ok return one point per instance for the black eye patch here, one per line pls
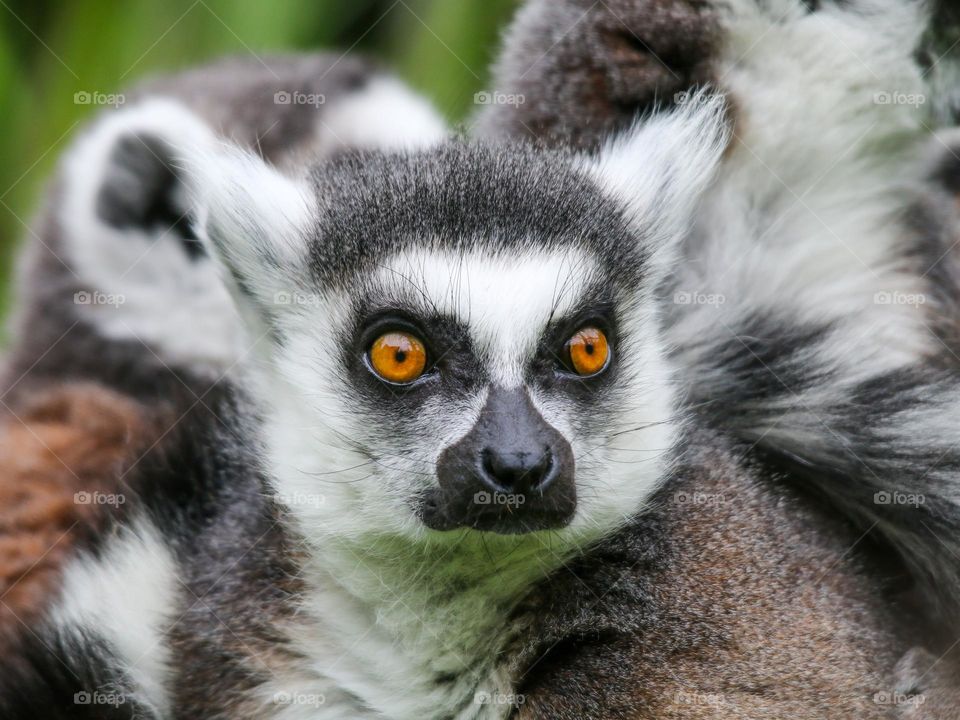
(452, 362)
(552, 357)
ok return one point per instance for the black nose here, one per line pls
(513, 472)
(516, 471)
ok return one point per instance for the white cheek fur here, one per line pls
(346, 478)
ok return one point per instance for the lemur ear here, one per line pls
(660, 169)
(251, 218)
(121, 187)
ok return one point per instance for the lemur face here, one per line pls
(461, 338)
(492, 376)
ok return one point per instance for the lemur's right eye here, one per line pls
(398, 357)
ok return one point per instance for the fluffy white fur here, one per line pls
(659, 170)
(804, 219)
(384, 115)
(237, 195)
(144, 287)
(126, 596)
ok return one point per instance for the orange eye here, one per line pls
(589, 351)
(398, 357)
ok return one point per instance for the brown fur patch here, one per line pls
(65, 441)
(588, 69)
(744, 601)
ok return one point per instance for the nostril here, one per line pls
(545, 471)
(489, 468)
(518, 471)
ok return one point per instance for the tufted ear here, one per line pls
(254, 221)
(121, 184)
(659, 170)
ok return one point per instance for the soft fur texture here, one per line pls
(273, 548)
(115, 287)
(62, 456)
(817, 303)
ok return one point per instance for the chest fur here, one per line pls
(372, 641)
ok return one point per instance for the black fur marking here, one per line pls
(462, 198)
(763, 360)
(947, 173)
(65, 677)
(83, 355)
(140, 191)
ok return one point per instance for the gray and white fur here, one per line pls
(312, 554)
(115, 286)
(815, 314)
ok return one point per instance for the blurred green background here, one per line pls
(51, 50)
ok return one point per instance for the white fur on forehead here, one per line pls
(506, 299)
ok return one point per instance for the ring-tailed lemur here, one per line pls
(475, 344)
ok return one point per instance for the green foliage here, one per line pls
(51, 50)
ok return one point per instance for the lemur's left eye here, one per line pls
(398, 357)
(588, 351)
